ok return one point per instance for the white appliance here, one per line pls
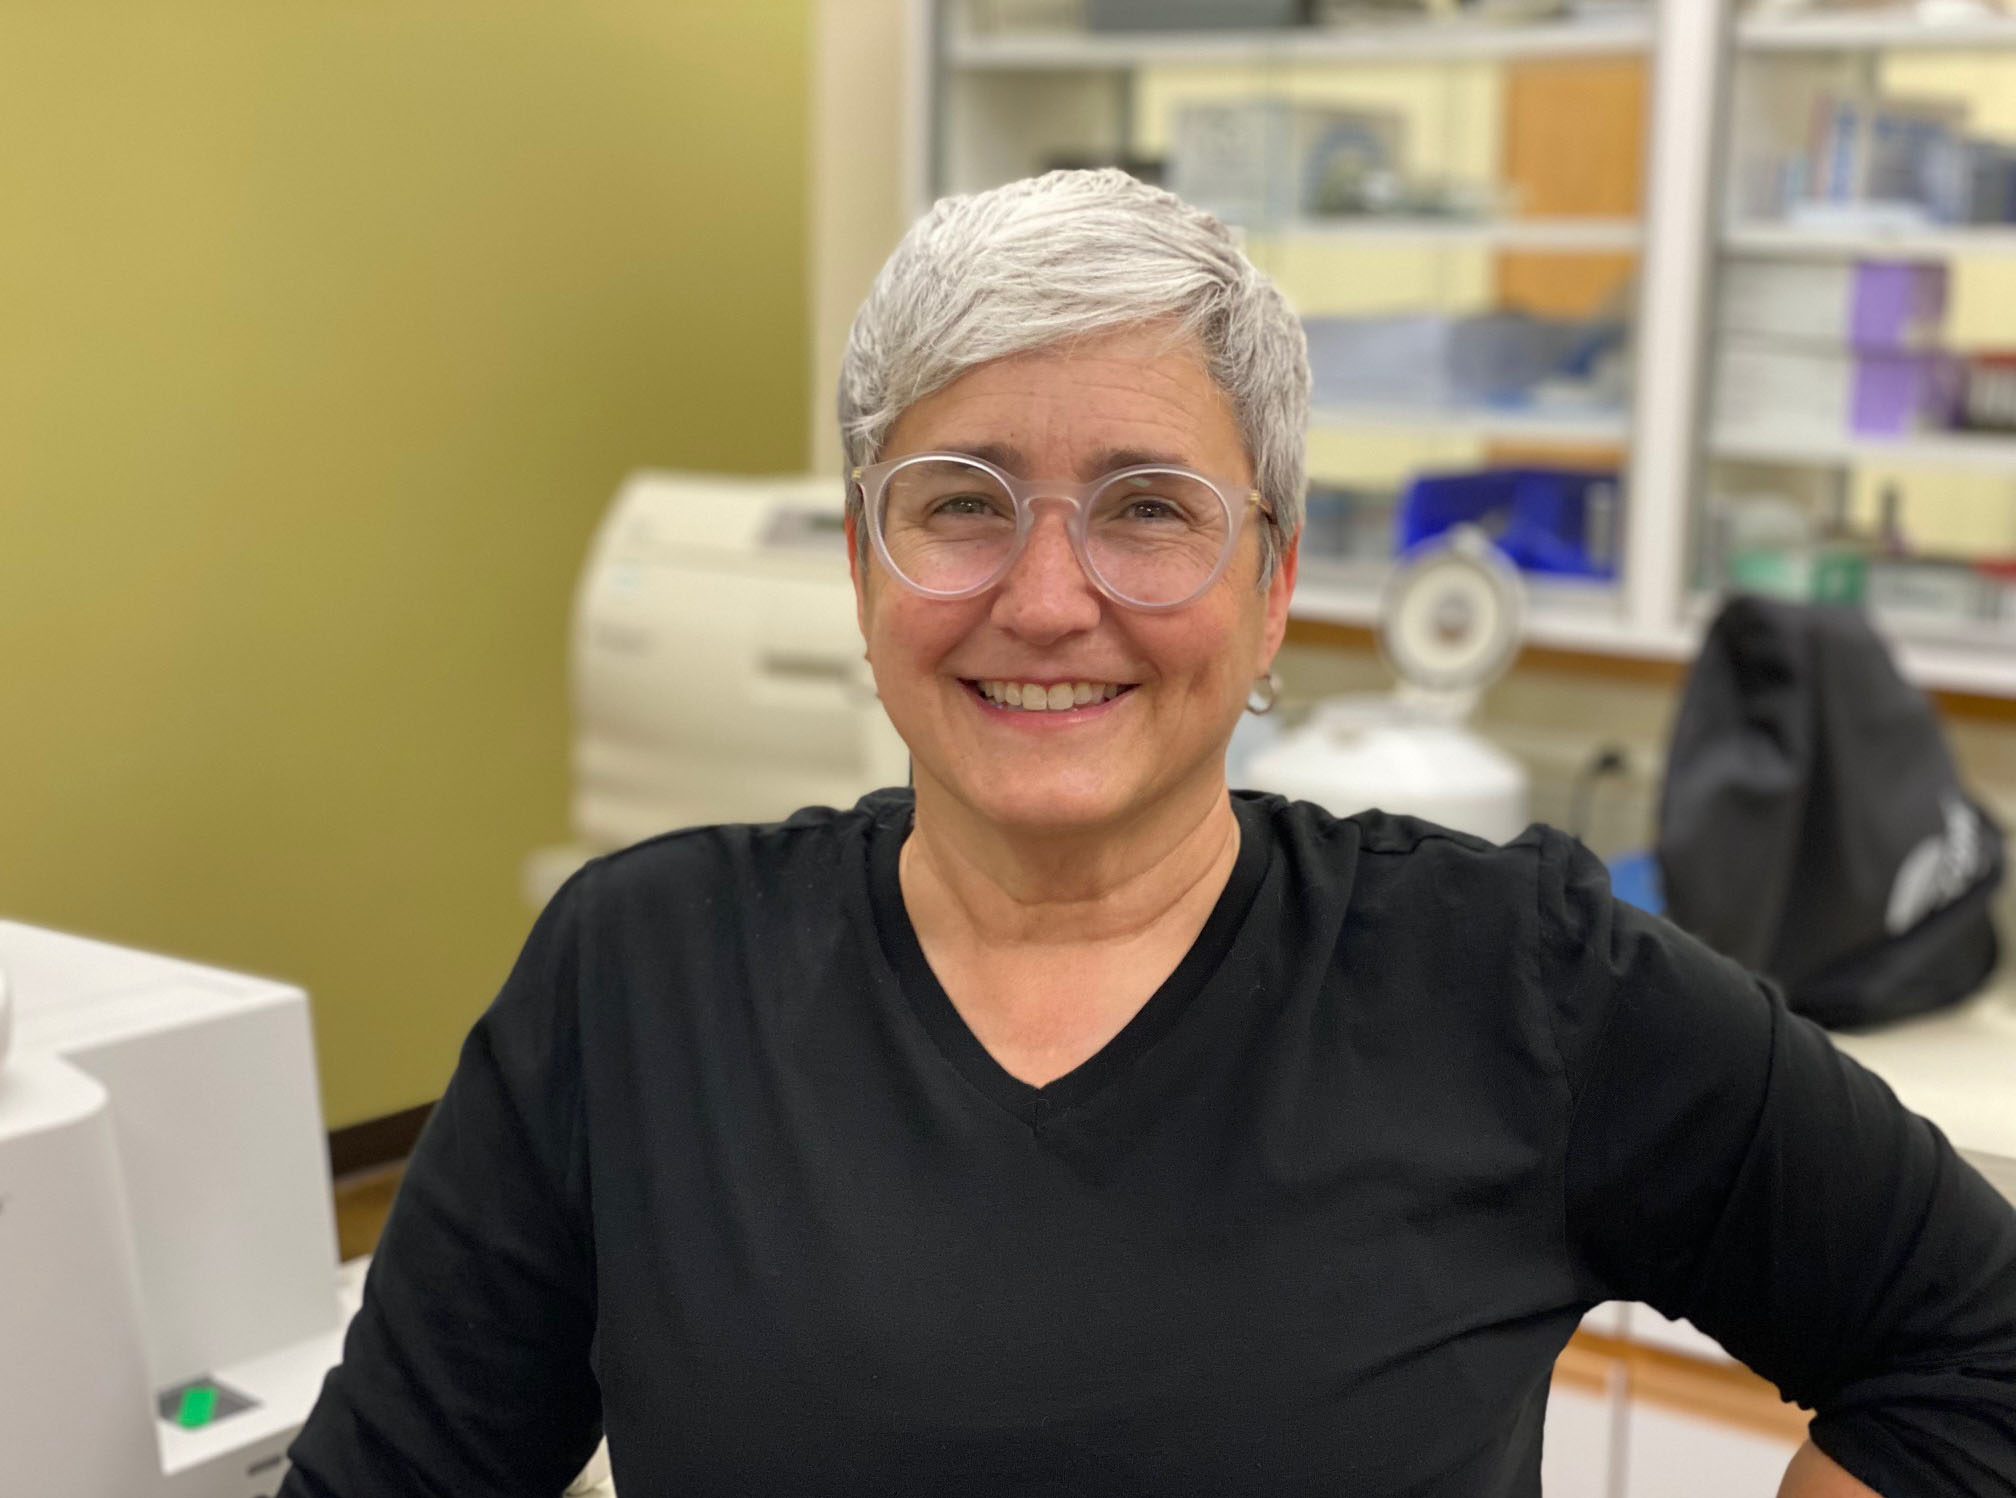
(169, 1293)
(717, 669)
(1450, 621)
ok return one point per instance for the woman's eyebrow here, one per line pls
(1114, 458)
(1107, 460)
(1002, 456)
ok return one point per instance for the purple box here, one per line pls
(1897, 394)
(1894, 303)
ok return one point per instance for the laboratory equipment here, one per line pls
(1449, 626)
(169, 1294)
(718, 669)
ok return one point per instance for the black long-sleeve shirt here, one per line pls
(723, 1170)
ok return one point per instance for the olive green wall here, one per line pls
(326, 332)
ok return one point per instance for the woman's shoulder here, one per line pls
(1391, 841)
(1403, 874)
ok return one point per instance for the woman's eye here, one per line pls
(965, 504)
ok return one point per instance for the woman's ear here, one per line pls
(1280, 590)
(857, 572)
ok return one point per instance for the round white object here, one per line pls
(1349, 761)
(6, 1016)
(1451, 614)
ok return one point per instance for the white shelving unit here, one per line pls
(1876, 32)
(1454, 41)
(1001, 104)
(1536, 424)
(1982, 453)
(1561, 614)
(1814, 56)
(1799, 242)
(1564, 236)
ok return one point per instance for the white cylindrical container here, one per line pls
(76, 1416)
(1358, 754)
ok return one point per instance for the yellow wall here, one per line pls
(326, 331)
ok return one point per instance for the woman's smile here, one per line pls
(1046, 703)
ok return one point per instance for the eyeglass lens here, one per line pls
(1152, 537)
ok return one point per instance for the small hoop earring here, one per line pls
(1266, 692)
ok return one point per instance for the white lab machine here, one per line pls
(169, 1294)
(1450, 621)
(717, 669)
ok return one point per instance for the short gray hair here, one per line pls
(1039, 262)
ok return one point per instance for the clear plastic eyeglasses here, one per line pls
(949, 526)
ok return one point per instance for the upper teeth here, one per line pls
(1035, 697)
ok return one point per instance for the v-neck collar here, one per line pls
(941, 1019)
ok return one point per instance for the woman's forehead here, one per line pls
(1091, 406)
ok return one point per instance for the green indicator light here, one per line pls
(199, 1407)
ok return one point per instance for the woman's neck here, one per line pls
(971, 879)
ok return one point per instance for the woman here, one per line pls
(1070, 1125)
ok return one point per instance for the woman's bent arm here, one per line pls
(1727, 1164)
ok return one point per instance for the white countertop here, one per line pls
(1957, 1067)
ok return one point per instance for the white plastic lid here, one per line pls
(1451, 614)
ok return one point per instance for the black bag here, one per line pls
(1812, 825)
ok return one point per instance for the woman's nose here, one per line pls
(1046, 594)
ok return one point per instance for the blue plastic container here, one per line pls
(1551, 520)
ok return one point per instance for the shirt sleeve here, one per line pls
(1726, 1164)
(467, 1370)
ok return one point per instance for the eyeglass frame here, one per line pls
(1238, 500)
